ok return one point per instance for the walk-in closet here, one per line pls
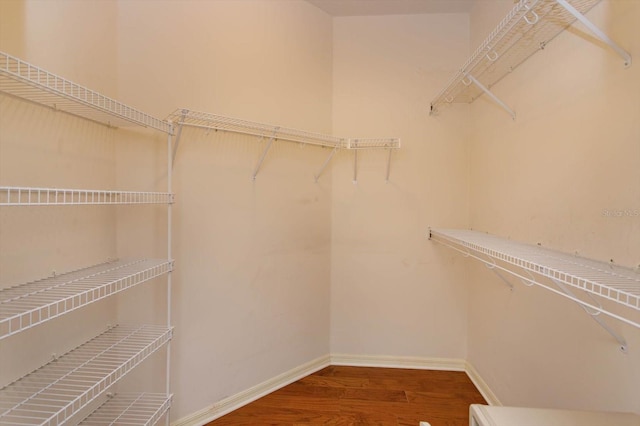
(338, 212)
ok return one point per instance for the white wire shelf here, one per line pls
(217, 122)
(52, 394)
(27, 305)
(26, 196)
(614, 283)
(130, 409)
(381, 143)
(528, 28)
(27, 81)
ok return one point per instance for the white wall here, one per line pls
(548, 178)
(391, 293)
(251, 285)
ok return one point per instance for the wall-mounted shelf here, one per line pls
(130, 409)
(25, 196)
(270, 132)
(528, 28)
(204, 120)
(27, 305)
(533, 264)
(27, 81)
(51, 394)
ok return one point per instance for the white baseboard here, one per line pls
(238, 400)
(243, 398)
(419, 363)
(482, 386)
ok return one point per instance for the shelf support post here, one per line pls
(263, 156)
(355, 166)
(492, 96)
(178, 134)
(389, 165)
(326, 162)
(597, 32)
(593, 314)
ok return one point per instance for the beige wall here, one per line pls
(391, 293)
(547, 178)
(251, 285)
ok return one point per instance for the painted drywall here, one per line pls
(41, 147)
(251, 284)
(551, 177)
(391, 293)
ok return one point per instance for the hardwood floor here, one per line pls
(364, 396)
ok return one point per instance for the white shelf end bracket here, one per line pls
(326, 163)
(178, 134)
(597, 32)
(264, 155)
(593, 313)
(488, 92)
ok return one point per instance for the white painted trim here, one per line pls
(245, 397)
(420, 363)
(482, 386)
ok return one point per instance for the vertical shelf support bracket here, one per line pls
(326, 163)
(496, 99)
(389, 165)
(263, 156)
(593, 314)
(355, 166)
(178, 134)
(597, 32)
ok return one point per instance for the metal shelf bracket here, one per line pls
(355, 166)
(263, 156)
(178, 134)
(594, 314)
(597, 32)
(489, 93)
(326, 163)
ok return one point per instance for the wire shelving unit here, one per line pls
(27, 305)
(528, 28)
(26, 196)
(27, 81)
(270, 132)
(533, 264)
(130, 409)
(56, 391)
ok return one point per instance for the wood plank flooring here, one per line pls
(364, 396)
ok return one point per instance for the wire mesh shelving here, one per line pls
(218, 122)
(271, 133)
(613, 283)
(206, 120)
(52, 394)
(130, 409)
(27, 305)
(526, 29)
(27, 196)
(27, 81)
